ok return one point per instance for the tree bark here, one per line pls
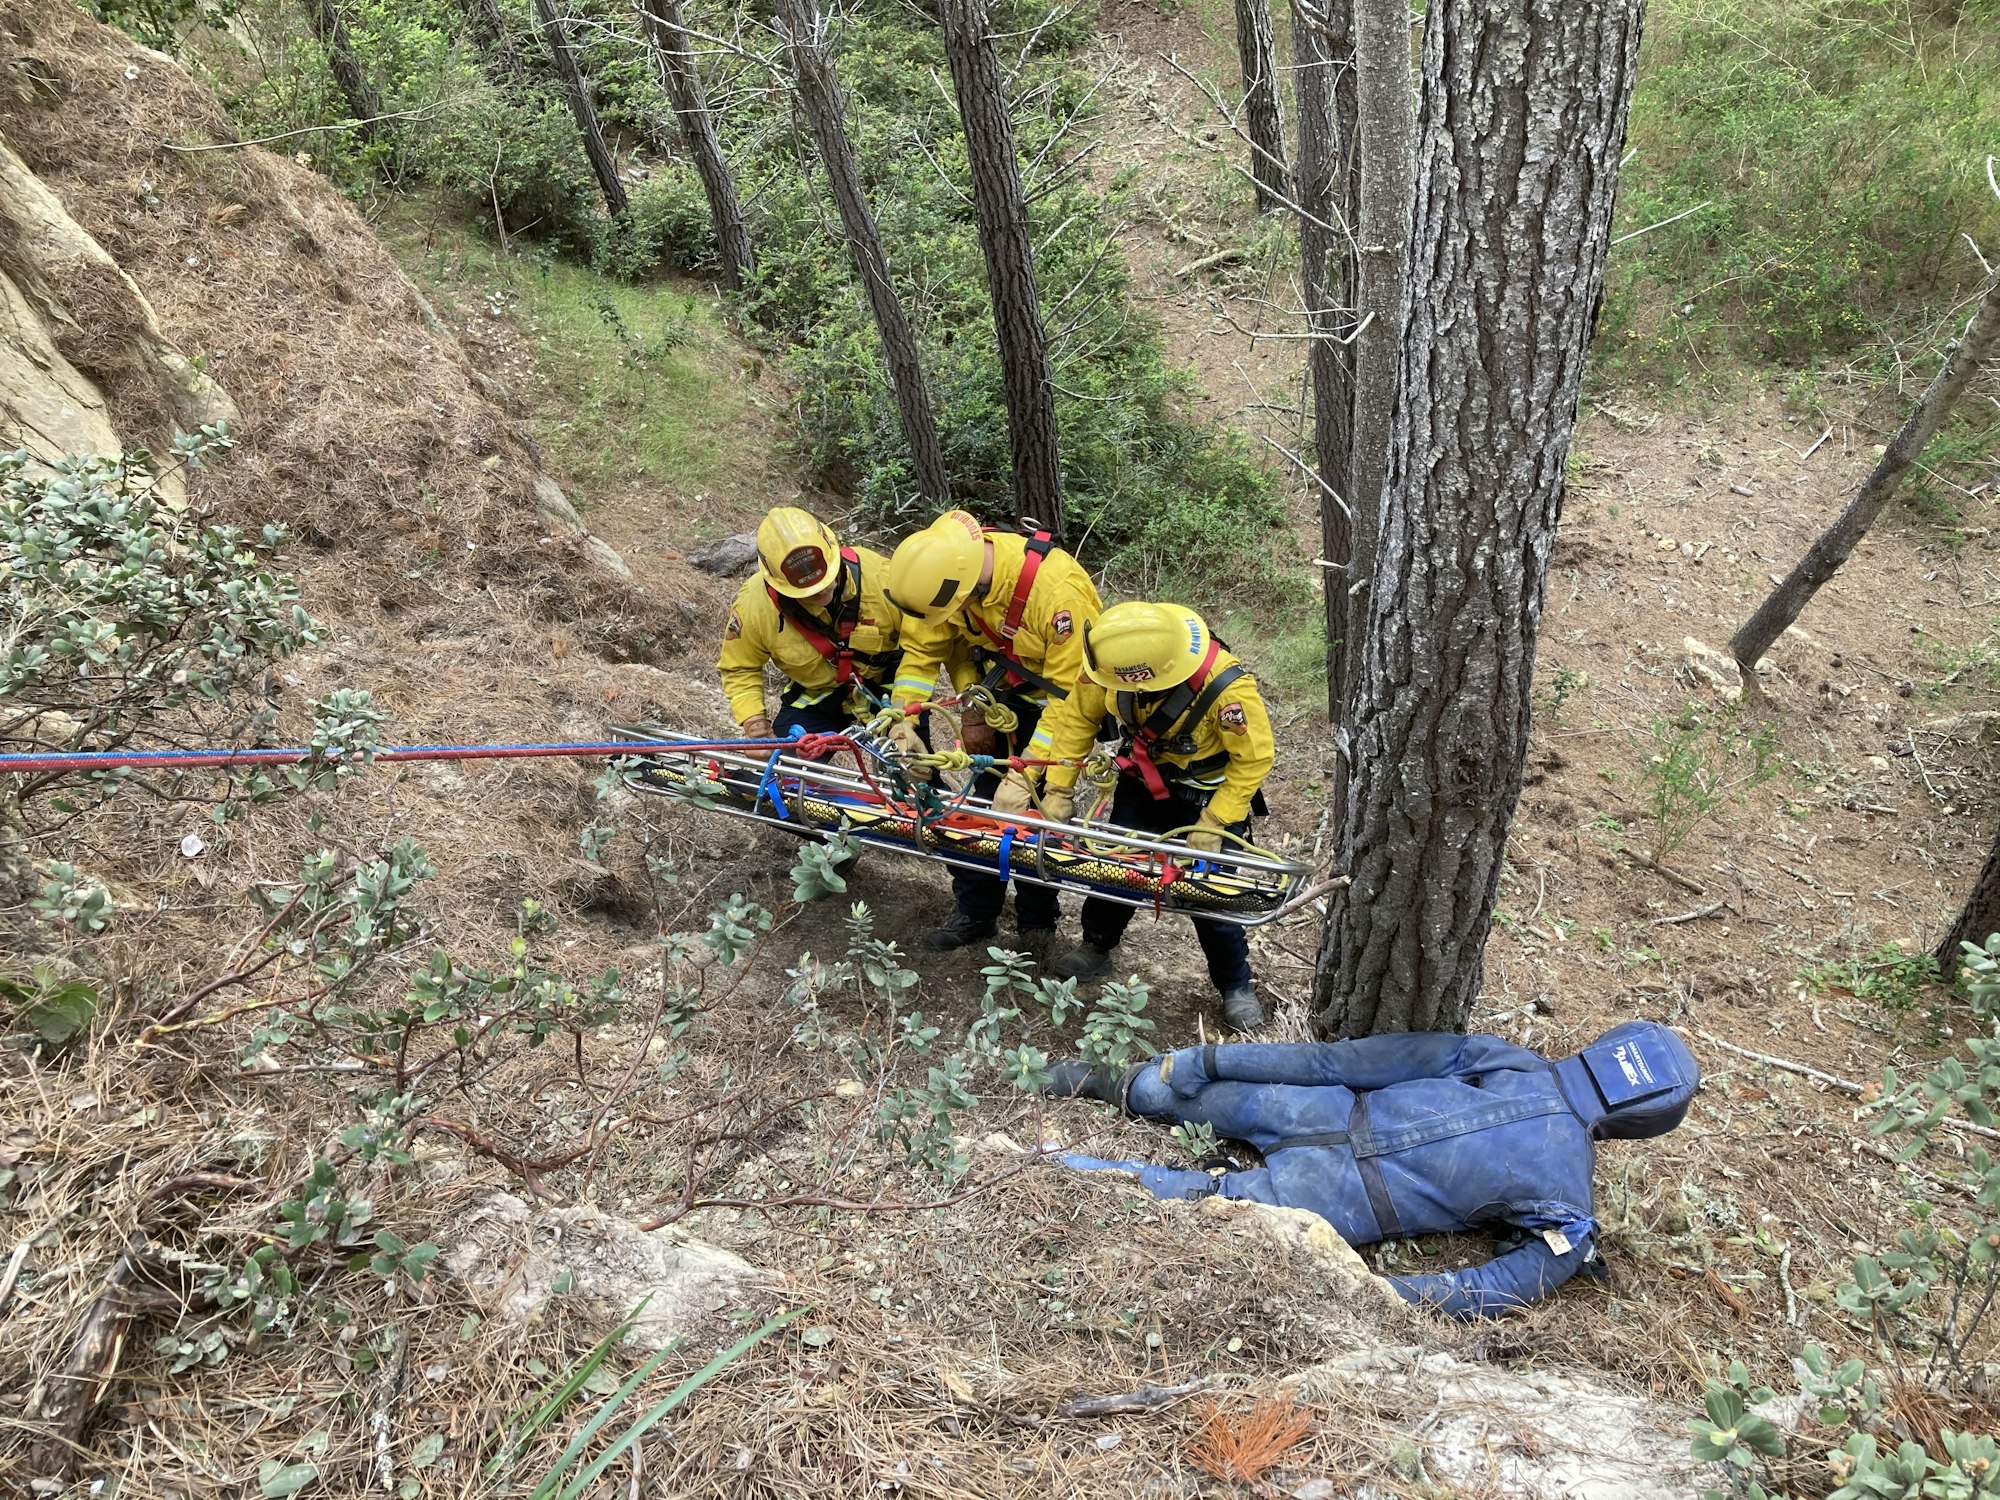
(667, 26)
(1521, 127)
(1381, 158)
(363, 103)
(496, 43)
(825, 111)
(1263, 121)
(1837, 543)
(1323, 61)
(1977, 920)
(1010, 261)
(574, 86)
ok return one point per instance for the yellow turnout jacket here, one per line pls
(1227, 751)
(806, 648)
(965, 644)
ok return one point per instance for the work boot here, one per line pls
(961, 930)
(1076, 1079)
(1083, 963)
(1241, 1010)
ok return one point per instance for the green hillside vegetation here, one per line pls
(1147, 490)
(1838, 147)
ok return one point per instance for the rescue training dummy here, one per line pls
(1195, 748)
(1415, 1133)
(1002, 616)
(817, 611)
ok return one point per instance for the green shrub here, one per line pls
(1839, 146)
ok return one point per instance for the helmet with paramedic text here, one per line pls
(1145, 648)
(797, 552)
(935, 570)
(1633, 1082)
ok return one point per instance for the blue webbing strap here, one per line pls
(767, 789)
(1006, 849)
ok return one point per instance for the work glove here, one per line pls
(974, 737)
(903, 735)
(1058, 807)
(1207, 836)
(757, 727)
(1015, 794)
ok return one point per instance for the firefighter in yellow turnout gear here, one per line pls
(1196, 747)
(817, 610)
(1002, 616)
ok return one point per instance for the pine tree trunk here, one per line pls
(363, 103)
(1010, 262)
(496, 44)
(1257, 49)
(1322, 59)
(825, 111)
(1522, 123)
(1837, 543)
(1978, 920)
(574, 86)
(667, 26)
(1385, 140)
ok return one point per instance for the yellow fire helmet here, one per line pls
(798, 553)
(935, 569)
(1145, 648)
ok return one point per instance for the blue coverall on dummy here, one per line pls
(1423, 1133)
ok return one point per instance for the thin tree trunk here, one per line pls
(1385, 140)
(363, 103)
(1522, 123)
(1010, 260)
(667, 26)
(1322, 59)
(1837, 543)
(1257, 49)
(601, 160)
(826, 118)
(1977, 920)
(496, 43)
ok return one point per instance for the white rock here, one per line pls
(513, 1255)
(606, 556)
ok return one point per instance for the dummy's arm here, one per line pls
(1373, 1062)
(1500, 1286)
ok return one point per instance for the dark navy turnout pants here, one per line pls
(1223, 944)
(980, 896)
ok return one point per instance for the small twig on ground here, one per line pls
(13, 1272)
(1846, 1085)
(1145, 1398)
(1690, 916)
(1208, 262)
(1785, 1281)
(1672, 877)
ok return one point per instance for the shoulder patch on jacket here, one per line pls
(1232, 718)
(1062, 625)
(734, 629)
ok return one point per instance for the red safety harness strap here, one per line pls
(1017, 607)
(846, 615)
(1189, 700)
